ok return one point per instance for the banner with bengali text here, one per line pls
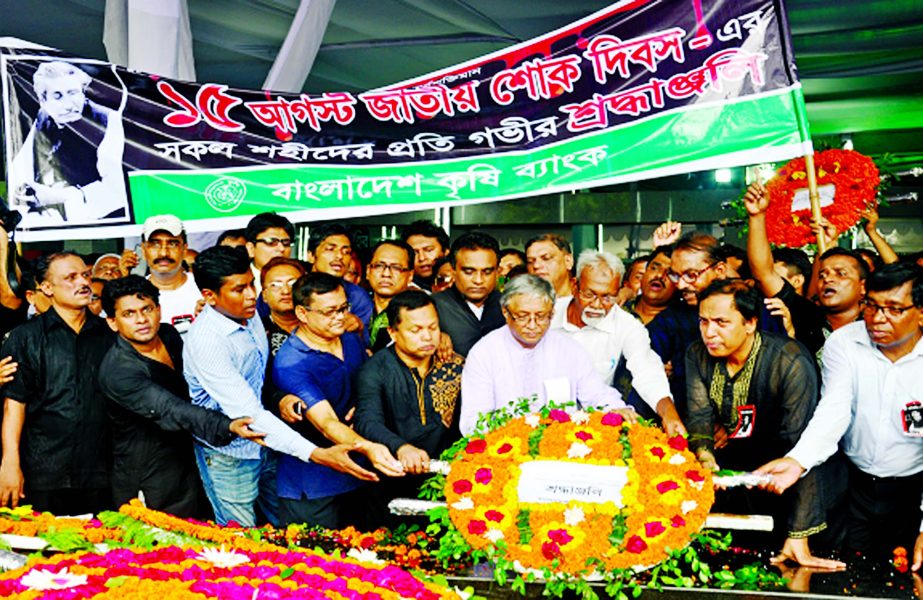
(642, 89)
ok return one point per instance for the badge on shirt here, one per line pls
(182, 322)
(746, 420)
(912, 418)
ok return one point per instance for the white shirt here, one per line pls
(861, 404)
(177, 307)
(477, 310)
(618, 334)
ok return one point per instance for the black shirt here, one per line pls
(65, 438)
(152, 424)
(808, 319)
(459, 322)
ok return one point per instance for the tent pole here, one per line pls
(815, 199)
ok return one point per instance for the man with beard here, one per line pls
(592, 318)
(841, 280)
(55, 432)
(430, 243)
(549, 256)
(871, 394)
(330, 250)
(388, 274)
(164, 245)
(152, 418)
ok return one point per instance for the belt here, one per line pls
(860, 476)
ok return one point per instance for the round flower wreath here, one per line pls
(665, 502)
(855, 178)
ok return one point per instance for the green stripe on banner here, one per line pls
(719, 134)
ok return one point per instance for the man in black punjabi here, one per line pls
(762, 388)
(152, 418)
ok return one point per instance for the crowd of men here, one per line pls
(242, 384)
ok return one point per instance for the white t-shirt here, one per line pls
(177, 307)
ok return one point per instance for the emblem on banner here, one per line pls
(225, 194)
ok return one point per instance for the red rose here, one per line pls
(584, 436)
(636, 545)
(550, 550)
(654, 528)
(367, 542)
(504, 448)
(677, 521)
(483, 476)
(613, 419)
(494, 515)
(462, 486)
(558, 415)
(560, 536)
(658, 452)
(477, 527)
(694, 476)
(678, 442)
(667, 486)
(476, 446)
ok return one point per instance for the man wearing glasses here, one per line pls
(607, 333)
(526, 360)
(164, 246)
(268, 235)
(330, 250)
(872, 394)
(318, 364)
(388, 273)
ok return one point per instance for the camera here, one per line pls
(9, 219)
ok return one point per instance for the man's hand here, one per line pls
(240, 428)
(381, 458)
(870, 214)
(720, 436)
(797, 550)
(128, 261)
(353, 323)
(624, 294)
(628, 414)
(667, 233)
(756, 200)
(785, 472)
(7, 369)
(707, 459)
(11, 484)
(291, 408)
(672, 424)
(778, 308)
(918, 553)
(415, 461)
(826, 230)
(445, 351)
(199, 305)
(337, 458)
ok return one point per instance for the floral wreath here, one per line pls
(664, 501)
(854, 177)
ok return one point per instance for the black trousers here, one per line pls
(332, 512)
(882, 512)
(70, 501)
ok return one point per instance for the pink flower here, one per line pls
(584, 436)
(477, 527)
(483, 476)
(494, 515)
(504, 448)
(694, 476)
(677, 521)
(658, 452)
(653, 529)
(636, 545)
(560, 536)
(462, 486)
(667, 486)
(678, 442)
(558, 415)
(476, 446)
(613, 419)
(550, 550)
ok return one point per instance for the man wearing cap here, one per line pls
(164, 247)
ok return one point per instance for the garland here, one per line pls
(63, 533)
(665, 500)
(174, 572)
(855, 178)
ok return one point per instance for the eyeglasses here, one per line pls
(891, 312)
(591, 297)
(380, 267)
(273, 242)
(329, 313)
(277, 286)
(525, 318)
(690, 276)
(172, 244)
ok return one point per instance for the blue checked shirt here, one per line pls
(224, 364)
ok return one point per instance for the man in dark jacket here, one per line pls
(151, 416)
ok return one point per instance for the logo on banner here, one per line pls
(225, 194)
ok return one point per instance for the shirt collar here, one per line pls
(224, 324)
(53, 319)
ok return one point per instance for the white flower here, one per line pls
(688, 506)
(462, 593)
(223, 558)
(533, 420)
(365, 555)
(578, 450)
(580, 417)
(46, 580)
(493, 535)
(677, 459)
(573, 516)
(464, 504)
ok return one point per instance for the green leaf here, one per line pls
(287, 573)
(114, 582)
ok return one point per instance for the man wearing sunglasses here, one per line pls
(318, 364)
(164, 246)
(871, 402)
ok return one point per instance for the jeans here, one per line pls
(233, 485)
